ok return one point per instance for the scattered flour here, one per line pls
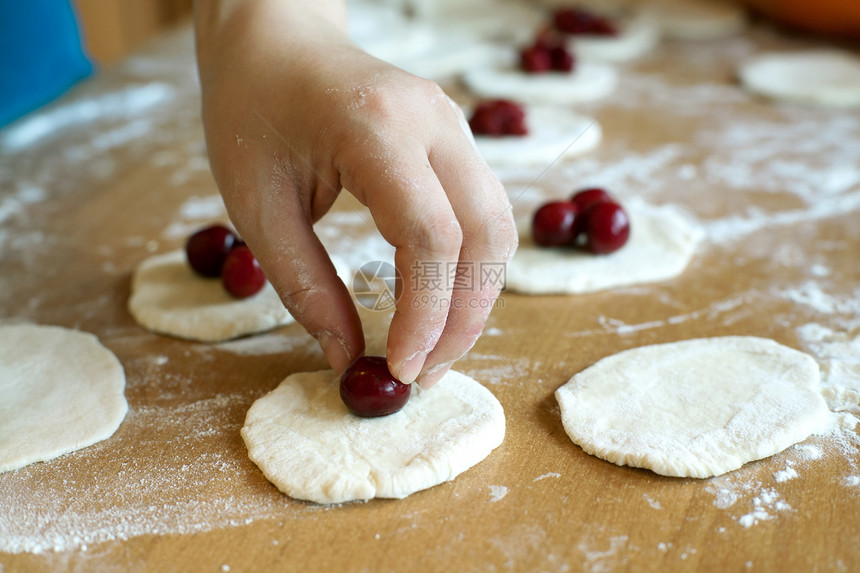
(764, 504)
(653, 503)
(788, 473)
(167, 490)
(264, 344)
(124, 103)
(497, 492)
(838, 352)
(812, 295)
(203, 207)
(547, 475)
(808, 451)
(604, 560)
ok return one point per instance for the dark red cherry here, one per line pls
(585, 198)
(241, 274)
(554, 224)
(578, 21)
(607, 228)
(207, 248)
(536, 59)
(369, 390)
(562, 60)
(498, 117)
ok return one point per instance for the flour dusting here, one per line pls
(497, 492)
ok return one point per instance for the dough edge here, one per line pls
(444, 465)
(706, 466)
(187, 325)
(114, 401)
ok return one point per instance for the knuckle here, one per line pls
(439, 233)
(382, 104)
(498, 236)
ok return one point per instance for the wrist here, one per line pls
(220, 22)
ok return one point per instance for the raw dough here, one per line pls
(824, 77)
(697, 20)
(308, 444)
(637, 36)
(696, 408)
(554, 132)
(662, 242)
(503, 21)
(590, 81)
(167, 297)
(451, 54)
(60, 391)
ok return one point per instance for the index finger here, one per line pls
(413, 213)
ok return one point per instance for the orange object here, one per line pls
(834, 17)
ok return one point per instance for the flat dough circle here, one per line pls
(450, 55)
(826, 77)
(60, 391)
(662, 242)
(588, 82)
(167, 297)
(310, 446)
(696, 408)
(637, 36)
(698, 20)
(553, 133)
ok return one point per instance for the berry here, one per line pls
(498, 117)
(207, 248)
(241, 274)
(578, 21)
(369, 390)
(554, 224)
(548, 52)
(536, 59)
(607, 227)
(587, 197)
(562, 60)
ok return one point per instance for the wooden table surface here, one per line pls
(116, 171)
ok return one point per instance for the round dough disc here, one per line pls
(450, 55)
(60, 391)
(588, 82)
(168, 297)
(553, 133)
(311, 447)
(637, 36)
(826, 77)
(662, 242)
(696, 408)
(698, 20)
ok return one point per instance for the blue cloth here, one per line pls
(41, 55)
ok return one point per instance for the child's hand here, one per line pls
(293, 111)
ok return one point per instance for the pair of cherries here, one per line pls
(591, 214)
(216, 251)
(549, 52)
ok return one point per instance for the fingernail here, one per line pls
(433, 375)
(411, 368)
(335, 350)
